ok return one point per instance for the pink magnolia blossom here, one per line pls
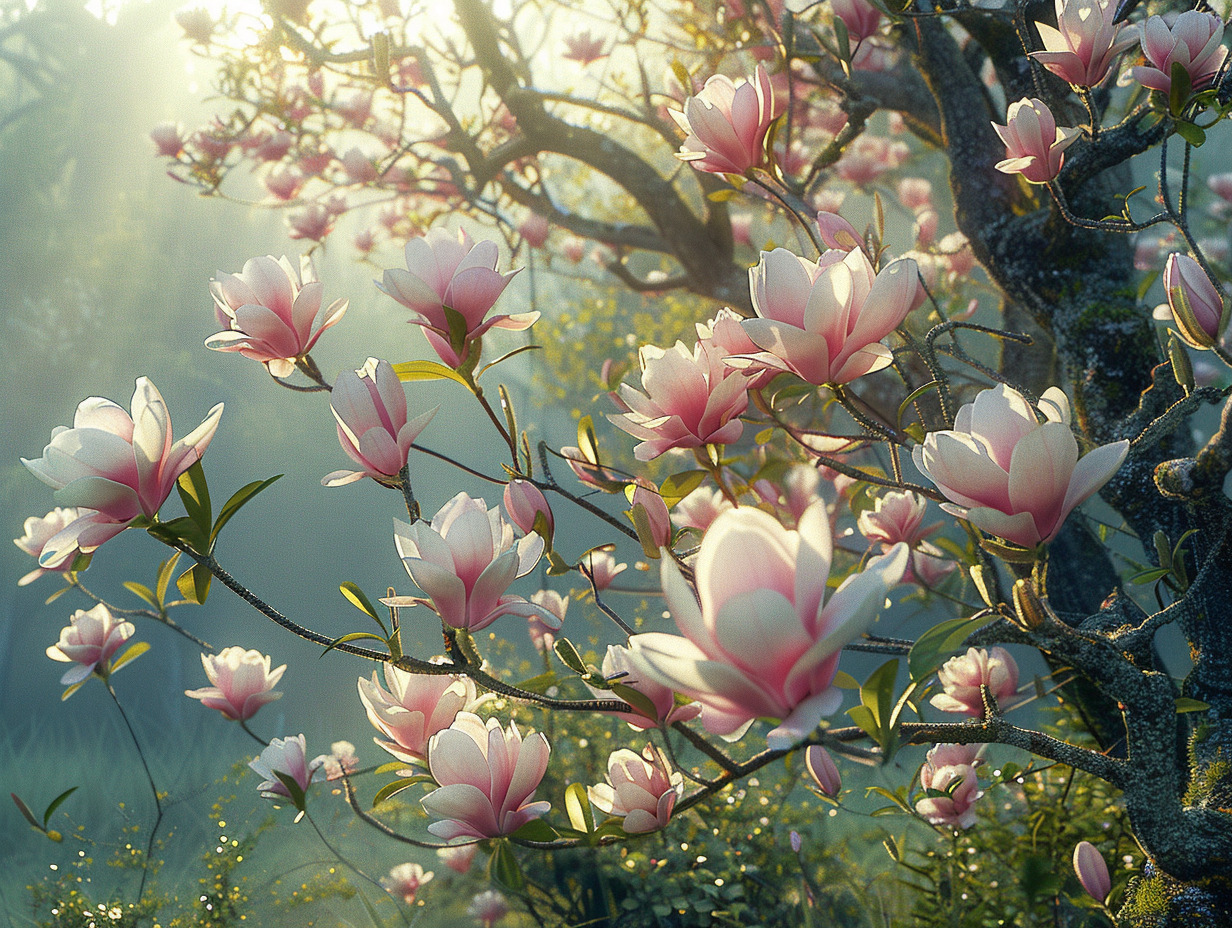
(823, 770)
(488, 907)
(487, 776)
(1193, 40)
(534, 230)
(583, 47)
(961, 678)
(861, 18)
(115, 467)
(896, 516)
(359, 168)
(525, 502)
(726, 333)
(269, 314)
(285, 185)
(168, 139)
(274, 146)
(603, 569)
(39, 531)
(313, 222)
(459, 857)
(701, 507)
(742, 228)
(339, 762)
(288, 756)
(764, 641)
(88, 642)
(691, 399)
(1008, 474)
(619, 668)
(543, 635)
(444, 270)
(727, 124)
(241, 682)
(946, 765)
(915, 193)
(1034, 144)
(465, 560)
(1086, 41)
(369, 405)
(1092, 871)
(405, 880)
(823, 321)
(837, 232)
(641, 788)
(1197, 308)
(414, 708)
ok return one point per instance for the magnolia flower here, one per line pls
(488, 907)
(1092, 871)
(89, 641)
(369, 405)
(602, 568)
(444, 270)
(896, 516)
(657, 520)
(583, 47)
(950, 804)
(269, 314)
(1194, 41)
(241, 682)
(459, 857)
(115, 467)
(414, 708)
(405, 880)
(1034, 144)
(764, 641)
(1008, 474)
(701, 507)
(727, 124)
(1085, 42)
(1196, 306)
(861, 18)
(823, 320)
(962, 677)
(823, 770)
(464, 560)
(287, 756)
(39, 531)
(691, 399)
(543, 635)
(168, 139)
(487, 777)
(618, 667)
(534, 230)
(339, 762)
(524, 502)
(641, 789)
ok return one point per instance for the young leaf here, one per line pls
(503, 869)
(239, 498)
(353, 636)
(936, 644)
(569, 656)
(577, 804)
(141, 591)
(165, 571)
(678, 486)
(410, 371)
(194, 584)
(54, 804)
(25, 810)
(536, 830)
(389, 790)
(130, 655)
(355, 596)
(196, 496)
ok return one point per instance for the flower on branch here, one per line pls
(764, 642)
(962, 677)
(289, 757)
(1194, 40)
(1010, 475)
(115, 467)
(37, 532)
(641, 788)
(241, 682)
(269, 312)
(949, 776)
(414, 708)
(727, 124)
(487, 776)
(1034, 144)
(89, 641)
(1086, 41)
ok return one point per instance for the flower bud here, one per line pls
(822, 769)
(1196, 305)
(524, 502)
(1092, 871)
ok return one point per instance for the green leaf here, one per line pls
(936, 644)
(183, 530)
(1192, 134)
(577, 805)
(54, 804)
(877, 694)
(196, 496)
(569, 656)
(645, 532)
(588, 442)
(683, 76)
(141, 591)
(194, 584)
(540, 683)
(842, 44)
(721, 196)
(241, 497)
(390, 790)
(458, 328)
(412, 371)
(298, 797)
(678, 486)
(535, 830)
(640, 702)
(1148, 281)
(764, 435)
(353, 636)
(503, 868)
(133, 652)
(1180, 92)
(505, 357)
(165, 571)
(25, 810)
(355, 596)
(1186, 704)
(915, 395)
(866, 721)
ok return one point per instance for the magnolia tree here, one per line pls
(833, 391)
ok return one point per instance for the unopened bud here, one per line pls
(1092, 871)
(822, 769)
(1027, 606)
